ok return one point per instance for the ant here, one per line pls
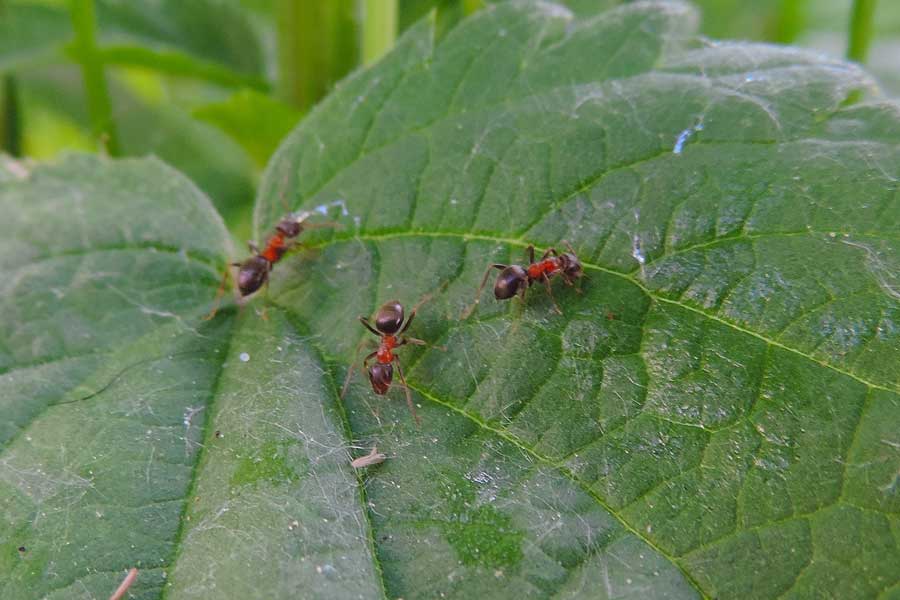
(514, 279)
(389, 327)
(253, 273)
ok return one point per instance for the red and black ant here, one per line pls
(514, 279)
(253, 273)
(389, 327)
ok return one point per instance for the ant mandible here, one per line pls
(253, 273)
(514, 279)
(389, 327)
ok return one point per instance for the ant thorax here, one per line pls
(385, 349)
(547, 266)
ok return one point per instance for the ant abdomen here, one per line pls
(381, 375)
(252, 274)
(389, 317)
(509, 282)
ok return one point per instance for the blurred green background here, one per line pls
(212, 86)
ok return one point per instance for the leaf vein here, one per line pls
(628, 277)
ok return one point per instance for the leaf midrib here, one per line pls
(520, 243)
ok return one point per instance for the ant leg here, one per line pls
(550, 252)
(530, 252)
(367, 325)
(220, 292)
(570, 282)
(412, 313)
(264, 314)
(409, 402)
(293, 246)
(408, 322)
(322, 225)
(353, 366)
(569, 247)
(468, 311)
(218, 299)
(373, 409)
(521, 293)
(550, 293)
(369, 357)
(418, 342)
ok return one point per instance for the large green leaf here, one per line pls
(716, 415)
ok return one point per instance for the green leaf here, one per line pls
(256, 121)
(30, 33)
(204, 39)
(178, 64)
(218, 165)
(715, 415)
(211, 30)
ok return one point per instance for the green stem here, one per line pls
(861, 22)
(85, 51)
(317, 45)
(791, 21)
(11, 125)
(379, 28)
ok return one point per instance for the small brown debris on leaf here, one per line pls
(123, 587)
(372, 458)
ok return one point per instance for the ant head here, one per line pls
(253, 273)
(509, 282)
(289, 227)
(571, 266)
(389, 317)
(381, 375)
